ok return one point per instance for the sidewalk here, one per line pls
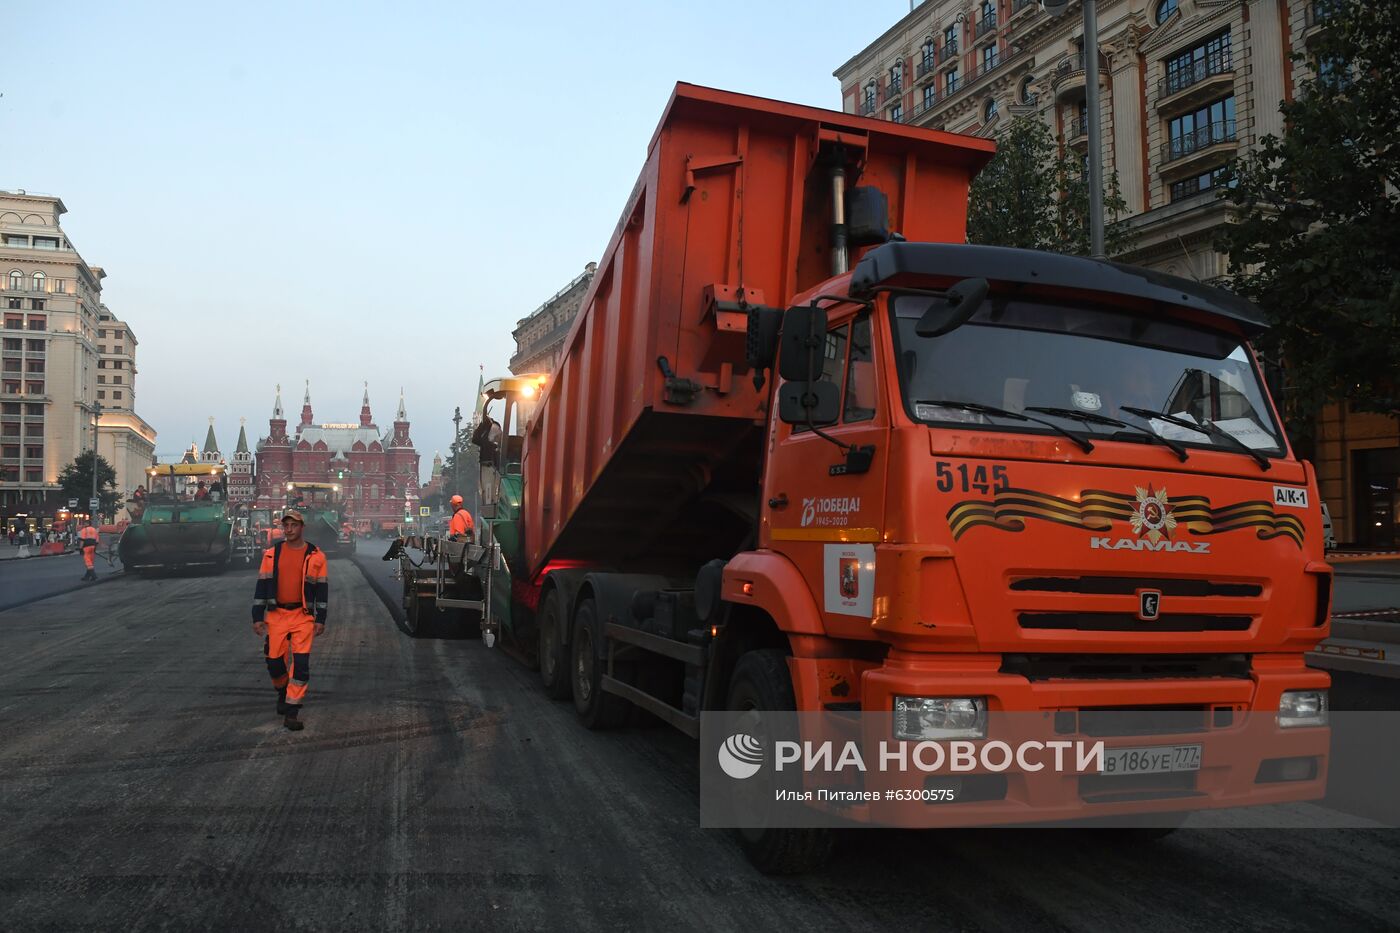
(8, 552)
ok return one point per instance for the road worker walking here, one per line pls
(289, 610)
(87, 539)
(462, 525)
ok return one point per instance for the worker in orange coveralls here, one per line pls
(289, 609)
(461, 525)
(88, 538)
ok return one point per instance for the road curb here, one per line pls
(392, 599)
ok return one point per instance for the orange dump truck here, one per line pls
(807, 449)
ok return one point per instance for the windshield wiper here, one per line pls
(1092, 418)
(1084, 443)
(1202, 427)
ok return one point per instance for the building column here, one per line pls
(1125, 95)
(1266, 62)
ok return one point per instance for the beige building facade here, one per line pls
(51, 356)
(1185, 86)
(540, 337)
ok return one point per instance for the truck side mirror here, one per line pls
(946, 315)
(809, 402)
(804, 336)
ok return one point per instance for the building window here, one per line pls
(36, 346)
(36, 304)
(989, 58)
(930, 95)
(1211, 57)
(101, 379)
(38, 276)
(17, 280)
(896, 78)
(101, 394)
(116, 380)
(950, 41)
(1203, 182)
(36, 323)
(1027, 95)
(101, 364)
(117, 396)
(950, 81)
(897, 113)
(1191, 132)
(1164, 10)
(46, 242)
(989, 110)
(869, 97)
(12, 302)
(926, 54)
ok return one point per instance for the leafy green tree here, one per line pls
(461, 468)
(1032, 195)
(75, 480)
(1317, 238)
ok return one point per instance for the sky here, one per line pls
(359, 192)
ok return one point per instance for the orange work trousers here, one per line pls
(288, 649)
(89, 551)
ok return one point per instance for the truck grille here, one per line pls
(1103, 722)
(1124, 666)
(1127, 586)
(1129, 622)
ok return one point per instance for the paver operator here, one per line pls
(462, 526)
(289, 610)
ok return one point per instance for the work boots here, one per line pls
(291, 721)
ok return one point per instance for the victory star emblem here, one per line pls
(1153, 515)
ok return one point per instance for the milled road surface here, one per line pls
(24, 580)
(146, 783)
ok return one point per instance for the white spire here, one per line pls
(403, 412)
(277, 405)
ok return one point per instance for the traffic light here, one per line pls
(340, 474)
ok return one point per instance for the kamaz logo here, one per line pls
(1142, 544)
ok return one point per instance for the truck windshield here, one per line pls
(1024, 355)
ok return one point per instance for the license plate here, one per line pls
(1158, 759)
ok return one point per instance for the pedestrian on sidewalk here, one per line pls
(289, 610)
(88, 538)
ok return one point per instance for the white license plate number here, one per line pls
(1159, 759)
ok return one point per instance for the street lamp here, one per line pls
(1095, 130)
(96, 418)
(456, 451)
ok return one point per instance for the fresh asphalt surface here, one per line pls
(146, 783)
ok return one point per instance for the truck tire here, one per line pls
(554, 661)
(596, 709)
(761, 682)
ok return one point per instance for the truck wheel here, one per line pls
(596, 709)
(554, 664)
(761, 682)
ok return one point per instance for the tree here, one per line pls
(464, 455)
(1316, 242)
(1034, 196)
(76, 482)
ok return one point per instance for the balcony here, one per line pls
(25, 285)
(1186, 153)
(1077, 132)
(926, 68)
(1200, 81)
(984, 68)
(922, 107)
(867, 107)
(1317, 13)
(1068, 81)
(1018, 5)
(893, 90)
(986, 26)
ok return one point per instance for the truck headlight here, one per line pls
(940, 717)
(1302, 708)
